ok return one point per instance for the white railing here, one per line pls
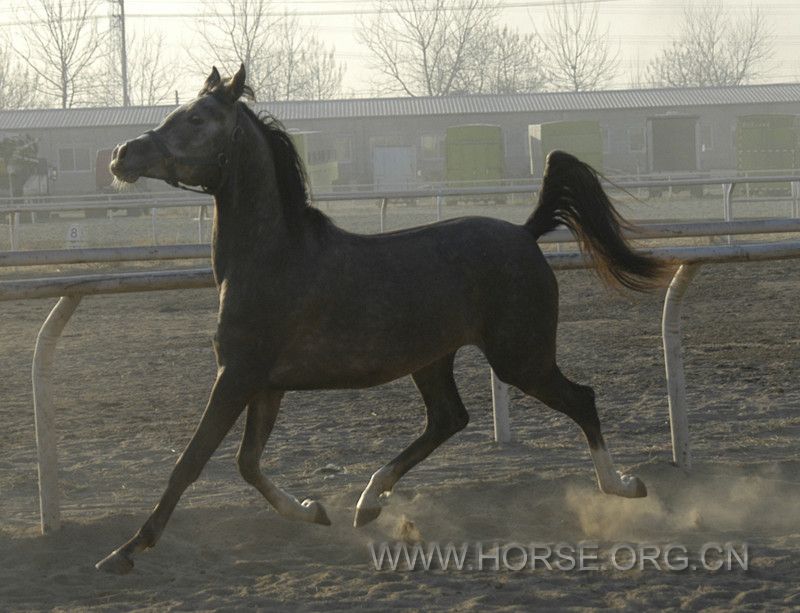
(177, 198)
(151, 201)
(70, 290)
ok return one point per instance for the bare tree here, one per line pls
(18, 86)
(507, 62)
(713, 49)
(62, 45)
(283, 59)
(427, 47)
(238, 32)
(304, 67)
(324, 73)
(580, 56)
(151, 79)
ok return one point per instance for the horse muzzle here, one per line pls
(137, 158)
(118, 166)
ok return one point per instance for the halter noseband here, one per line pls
(220, 161)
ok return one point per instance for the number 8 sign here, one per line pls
(76, 236)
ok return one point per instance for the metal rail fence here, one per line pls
(71, 288)
(145, 201)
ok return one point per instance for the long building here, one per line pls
(379, 142)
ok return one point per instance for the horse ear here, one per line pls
(212, 81)
(236, 86)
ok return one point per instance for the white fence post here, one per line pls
(502, 427)
(727, 205)
(14, 227)
(153, 216)
(438, 208)
(673, 364)
(383, 213)
(44, 414)
(201, 226)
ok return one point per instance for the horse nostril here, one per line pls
(120, 151)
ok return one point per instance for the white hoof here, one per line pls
(627, 486)
(314, 512)
(365, 515)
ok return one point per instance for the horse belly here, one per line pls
(368, 355)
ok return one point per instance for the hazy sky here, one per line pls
(640, 28)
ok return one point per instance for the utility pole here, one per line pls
(118, 23)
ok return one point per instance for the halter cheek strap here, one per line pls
(220, 161)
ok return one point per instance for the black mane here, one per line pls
(290, 172)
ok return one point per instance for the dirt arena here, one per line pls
(132, 377)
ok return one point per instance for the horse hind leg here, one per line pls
(261, 414)
(446, 415)
(578, 402)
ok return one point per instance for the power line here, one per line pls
(672, 8)
(337, 12)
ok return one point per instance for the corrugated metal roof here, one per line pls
(668, 98)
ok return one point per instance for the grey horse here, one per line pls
(306, 305)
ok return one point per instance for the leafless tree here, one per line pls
(151, 79)
(238, 31)
(63, 47)
(284, 60)
(580, 56)
(18, 86)
(507, 62)
(151, 76)
(303, 67)
(427, 47)
(324, 73)
(713, 49)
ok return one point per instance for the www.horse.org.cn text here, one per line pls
(564, 557)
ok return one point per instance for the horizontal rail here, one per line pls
(534, 187)
(203, 251)
(693, 229)
(709, 254)
(173, 199)
(123, 282)
(106, 283)
(93, 255)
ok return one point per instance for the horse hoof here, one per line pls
(364, 515)
(115, 563)
(633, 487)
(320, 515)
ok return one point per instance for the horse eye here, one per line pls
(195, 120)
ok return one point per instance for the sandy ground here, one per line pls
(134, 371)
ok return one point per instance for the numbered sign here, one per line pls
(76, 236)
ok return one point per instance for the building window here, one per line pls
(636, 139)
(74, 159)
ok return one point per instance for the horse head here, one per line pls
(193, 144)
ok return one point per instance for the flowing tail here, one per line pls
(571, 194)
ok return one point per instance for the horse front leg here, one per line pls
(228, 399)
(262, 411)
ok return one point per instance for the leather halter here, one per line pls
(221, 160)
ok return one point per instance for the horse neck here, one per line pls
(249, 220)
